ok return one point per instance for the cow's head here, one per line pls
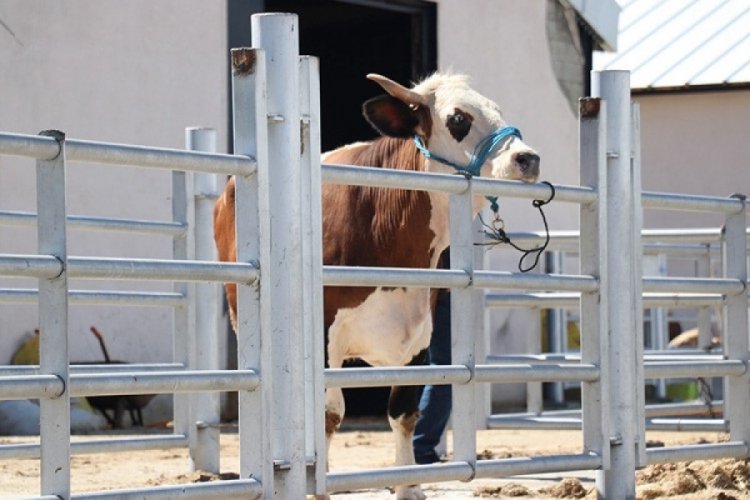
(450, 118)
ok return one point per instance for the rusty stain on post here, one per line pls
(589, 107)
(243, 61)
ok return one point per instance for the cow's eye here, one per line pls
(459, 124)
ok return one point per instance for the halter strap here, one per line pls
(482, 151)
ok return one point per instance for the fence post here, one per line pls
(277, 35)
(735, 331)
(465, 327)
(254, 335)
(183, 316)
(593, 261)
(205, 406)
(637, 280)
(482, 392)
(54, 423)
(312, 246)
(619, 481)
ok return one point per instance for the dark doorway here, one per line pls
(396, 38)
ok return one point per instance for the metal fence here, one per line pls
(281, 379)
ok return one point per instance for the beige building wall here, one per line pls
(694, 143)
(132, 72)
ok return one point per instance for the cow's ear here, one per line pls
(390, 116)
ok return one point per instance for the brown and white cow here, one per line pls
(365, 226)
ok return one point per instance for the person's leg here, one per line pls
(435, 404)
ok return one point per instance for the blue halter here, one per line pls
(482, 151)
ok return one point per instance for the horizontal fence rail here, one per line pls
(47, 148)
(28, 219)
(99, 297)
(43, 266)
(131, 443)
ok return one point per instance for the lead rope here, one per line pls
(496, 231)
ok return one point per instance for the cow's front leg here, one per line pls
(403, 411)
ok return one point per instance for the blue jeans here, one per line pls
(435, 404)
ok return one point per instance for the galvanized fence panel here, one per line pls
(270, 110)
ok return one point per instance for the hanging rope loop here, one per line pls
(496, 231)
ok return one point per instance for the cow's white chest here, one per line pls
(389, 328)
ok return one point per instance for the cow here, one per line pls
(439, 125)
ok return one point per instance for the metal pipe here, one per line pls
(574, 423)
(46, 148)
(687, 424)
(96, 297)
(385, 177)
(117, 384)
(396, 375)
(516, 189)
(653, 356)
(684, 202)
(205, 406)
(277, 35)
(237, 488)
(120, 445)
(391, 476)
(161, 270)
(694, 285)
(535, 373)
(165, 158)
(548, 300)
(38, 386)
(449, 183)
(651, 411)
(559, 282)
(26, 370)
(732, 449)
(537, 465)
(395, 277)
(28, 219)
(571, 300)
(30, 266)
(693, 369)
(32, 146)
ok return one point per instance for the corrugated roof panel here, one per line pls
(678, 43)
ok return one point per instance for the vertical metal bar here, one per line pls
(619, 481)
(593, 261)
(184, 315)
(637, 280)
(465, 327)
(312, 245)
(277, 35)
(204, 448)
(557, 327)
(254, 336)
(735, 331)
(54, 421)
(482, 392)
(534, 390)
(703, 270)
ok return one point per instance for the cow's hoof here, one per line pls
(409, 493)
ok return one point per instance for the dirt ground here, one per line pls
(359, 449)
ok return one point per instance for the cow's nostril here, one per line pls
(527, 162)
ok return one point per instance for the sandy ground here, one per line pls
(359, 449)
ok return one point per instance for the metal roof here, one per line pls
(681, 44)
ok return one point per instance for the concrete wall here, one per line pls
(694, 143)
(133, 72)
